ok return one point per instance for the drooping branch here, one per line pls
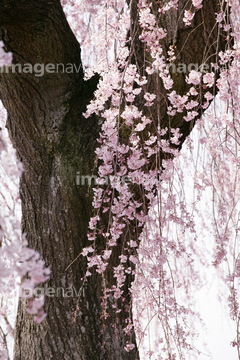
(196, 47)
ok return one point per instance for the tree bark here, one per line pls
(54, 141)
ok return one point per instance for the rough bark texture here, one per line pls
(54, 141)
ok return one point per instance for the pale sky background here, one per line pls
(214, 340)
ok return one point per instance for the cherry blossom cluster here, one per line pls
(220, 137)
(115, 102)
(189, 14)
(101, 29)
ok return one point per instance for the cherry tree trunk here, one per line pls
(55, 142)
